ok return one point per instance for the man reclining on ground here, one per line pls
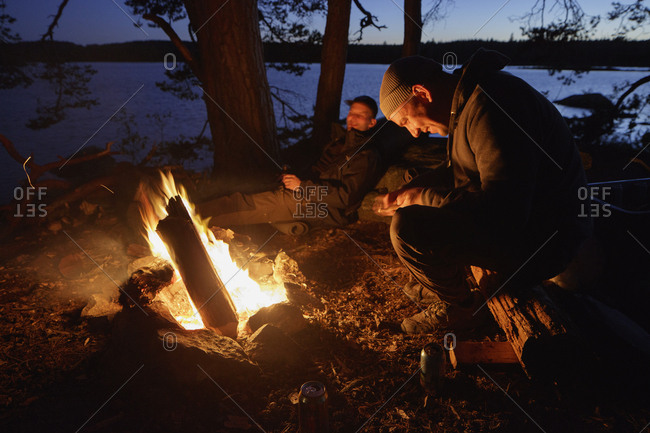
(328, 194)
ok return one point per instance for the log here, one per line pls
(203, 284)
(545, 340)
(482, 352)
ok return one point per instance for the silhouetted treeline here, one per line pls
(565, 55)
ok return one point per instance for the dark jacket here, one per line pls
(515, 166)
(349, 167)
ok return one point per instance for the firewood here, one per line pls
(203, 284)
(544, 339)
(482, 352)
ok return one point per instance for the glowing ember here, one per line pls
(247, 295)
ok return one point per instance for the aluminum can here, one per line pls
(312, 408)
(432, 368)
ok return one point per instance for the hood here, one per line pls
(483, 62)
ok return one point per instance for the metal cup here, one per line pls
(432, 368)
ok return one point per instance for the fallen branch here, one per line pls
(37, 170)
(101, 183)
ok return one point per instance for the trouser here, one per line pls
(240, 209)
(438, 245)
(275, 206)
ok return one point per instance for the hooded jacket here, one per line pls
(515, 166)
(349, 167)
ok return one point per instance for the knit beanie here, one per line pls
(399, 79)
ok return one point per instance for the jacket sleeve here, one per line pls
(356, 177)
(507, 161)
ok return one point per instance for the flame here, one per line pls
(247, 295)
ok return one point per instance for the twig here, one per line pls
(200, 136)
(367, 21)
(272, 29)
(631, 89)
(55, 22)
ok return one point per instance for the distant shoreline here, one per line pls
(572, 55)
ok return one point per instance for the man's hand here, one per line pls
(387, 204)
(291, 181)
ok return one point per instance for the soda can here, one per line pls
(312, 408)
(432, 368)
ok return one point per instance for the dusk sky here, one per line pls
(103, 21)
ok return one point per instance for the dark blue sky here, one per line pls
(102, 21)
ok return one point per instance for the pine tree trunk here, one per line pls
(236, 90)
(412, 27)
(332, 72)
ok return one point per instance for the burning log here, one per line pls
(203, 284)
(545, 341)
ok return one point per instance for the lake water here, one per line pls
(115, 83)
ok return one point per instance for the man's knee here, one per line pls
(403, 228)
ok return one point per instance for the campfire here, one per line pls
(176, 233)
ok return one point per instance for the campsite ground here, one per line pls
(54, 378)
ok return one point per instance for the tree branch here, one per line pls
(84, 190)
(272, 29)
(37, 170)
(178, 43)
(631, 89)
(55, 22)
(367, 21)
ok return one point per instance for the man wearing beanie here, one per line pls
(506, 200)
(329, 193)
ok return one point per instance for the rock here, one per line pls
(225, 235)
(75, 265)
(147, 262)
(101, 306)
(175, 355)
(297, 295)
(259, 269)
(149, 275)
(284, 316)
(55, 227)
(286, 269)
(88, 208)
(274, 350)
(591, 101)
(137, 250)
(222, 358)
